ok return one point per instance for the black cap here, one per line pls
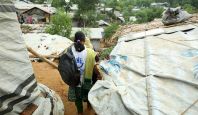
(79, 36)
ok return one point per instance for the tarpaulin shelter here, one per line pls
(19, 89)
(152, 72)
(46, 44)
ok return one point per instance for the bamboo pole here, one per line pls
(46, 56)
(42, 58)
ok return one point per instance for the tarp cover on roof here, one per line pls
(150, 75)
(18, 86)
(46, 44)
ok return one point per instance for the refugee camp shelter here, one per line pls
(152, 72)
(22, 6)
(119, 16)
(105, 10)
(162, 5)
(37, 15)
(102, 23)
(46, 44)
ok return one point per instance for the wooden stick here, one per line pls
(42, 58)
(46, 56)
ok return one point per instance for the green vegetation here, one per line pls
(58, 3)
(148, 14)
(110, 30)
(61, 24)
(87, 19)
(189, 8)
(105, 53)
(87, 5)
(86, 14)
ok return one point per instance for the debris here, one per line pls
(175, 15)
(41, 57)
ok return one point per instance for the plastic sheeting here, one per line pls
(154, 75)
(46, 44)
(175, 15)
(19, 87)
(49, 105)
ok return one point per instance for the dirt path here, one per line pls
(50, 77)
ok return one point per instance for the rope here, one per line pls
(189, 107)
(147, 77)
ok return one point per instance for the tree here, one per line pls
(86, 14)
(87, 5)
(74, 1)
(113, 4)
(58, 3)
(189, 8)
(148, 14)
(61, 24)
(194, 3)
(143, 3)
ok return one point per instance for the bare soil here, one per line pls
(50, 77)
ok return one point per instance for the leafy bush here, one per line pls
(189, 8)
(110, 30)
(148, 14)
(86, 18)
(101, 16)
(58, 3)
(90, 18)
(61, 24)
(105, 53)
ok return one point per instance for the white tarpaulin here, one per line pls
(46, 44)
(153, 75)
(18, 86)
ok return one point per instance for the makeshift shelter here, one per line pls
(103, 23)
(46, 44)
(19, 90)
(38, 15)
(22, 6)
(150, 73)
(160, 5)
